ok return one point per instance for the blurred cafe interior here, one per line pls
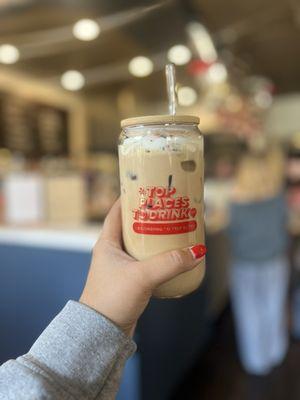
(70, 70)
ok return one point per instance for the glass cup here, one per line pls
(161, 174)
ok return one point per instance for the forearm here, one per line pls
(78, 356)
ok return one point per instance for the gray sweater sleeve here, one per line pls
(80, 355)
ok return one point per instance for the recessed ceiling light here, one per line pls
(179, 54)
(9, 54)
(140, 66)
(187, 96)
(72, 80)
(263, 99)
(217, 73)
(203, 42)
(86, 29)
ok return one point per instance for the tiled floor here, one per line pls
(219, 376)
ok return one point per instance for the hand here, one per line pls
(120, 287)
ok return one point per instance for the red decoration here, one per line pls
(198, 67)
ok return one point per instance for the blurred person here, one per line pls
(81, 354)
(293, 197)
(259, 273)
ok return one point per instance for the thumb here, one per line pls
(165, 266)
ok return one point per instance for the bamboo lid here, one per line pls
(160, 119)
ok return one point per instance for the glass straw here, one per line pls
(171, 84)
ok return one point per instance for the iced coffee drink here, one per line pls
(161, 174)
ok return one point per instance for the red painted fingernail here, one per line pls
(198, 251)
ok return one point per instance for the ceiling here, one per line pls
(253, 36)
(264, 34)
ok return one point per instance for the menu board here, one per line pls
(32, 129)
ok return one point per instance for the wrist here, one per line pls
(127, 328)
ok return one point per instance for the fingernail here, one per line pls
(198, 251)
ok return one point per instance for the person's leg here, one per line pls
(275, 326)
(247, 303)
(296, 313)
